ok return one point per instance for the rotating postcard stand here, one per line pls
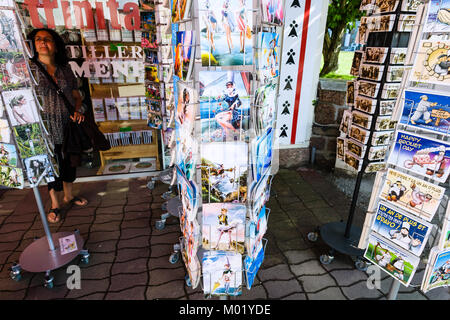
(343, 237)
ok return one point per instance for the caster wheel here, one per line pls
(174, 257)
(15, 272)
(160, 225)
(48, 282)
(85, 260)
(313, 236)
(16, 276)
(164, 206)
(188, 281)
(326, 259)
(151, 185)
(361, 265)
(165, 216)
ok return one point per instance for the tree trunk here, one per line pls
(331, 49)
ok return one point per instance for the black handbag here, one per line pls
(78, 137)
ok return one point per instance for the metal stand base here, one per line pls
(333, 235)
(37, 257)
(173, 205)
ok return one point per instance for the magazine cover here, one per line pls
(375, 55)
(437, 20)
(223, 226)
(262, 154)
(424, 156)
(252, 266)
(222, 273)
(30, 141)
(225, 37)
(8, 155)
(224, 172)
(350, 93)
(184, 54)
(255, 232)
(264, 108)
(395, 261)
(425, 110)
(13, 70)
(224, 105)
(268, 61)
(356, 63)
(35, 167)
(432, 64)
(11, 177)
(438, 272)
(401, 228)
(398, 55)
(68, 244)
(272, 11)
(10, 38)
(368, 89)
(21, 107)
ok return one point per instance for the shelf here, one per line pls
(114, 126)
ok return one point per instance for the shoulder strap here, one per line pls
(59, 91)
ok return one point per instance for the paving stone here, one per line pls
(134, 232)
(136, 242)
(411, 296)
(100, 257)
(348, 277)
(171, 290)
(106, 218)
(298, 256)
(257, 292)
(280, 272)
(128, 254)
(297, 243)
(316, 204)
(99, 236)
(89, 287)
(95, 271)
(278, 289)
(296, 296)
(94, 296)
(41, 293)
(121, 282)
(110, 226)
(327, 294)
(308, 268)
(162, 276)
(361, 291)
(135, 266)
(110, 209)
(162, 262)
(136, 293)
(315, 283)
(15, 295)
(136, 223)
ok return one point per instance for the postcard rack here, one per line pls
(411, 191)
(27, 152)
(218, 71)
(386, 31)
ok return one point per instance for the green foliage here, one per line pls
(343, 12)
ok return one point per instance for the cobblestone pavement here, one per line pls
(130, 257)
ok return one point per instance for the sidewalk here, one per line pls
(130, 257)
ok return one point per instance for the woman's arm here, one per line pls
(77, 116)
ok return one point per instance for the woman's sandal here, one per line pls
(77, 199)
(56, 215)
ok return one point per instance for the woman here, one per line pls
(242, 24)
(230, 119)
(228, 23)
(211, 24)
(49, 51)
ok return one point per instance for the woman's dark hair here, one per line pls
(60, 54)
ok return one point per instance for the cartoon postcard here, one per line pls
(260, 191)
(268, 63)
(255, 232)
(252, 266)
(30, 141)
(11, 177)
(223, 226)
(226, 37)
(265, 107)
(186, 109)
(438, 20)
(424, 156)
(21, 106)
(272, 11)
(8, 155)
(224, 170)
(262, 150)
(68, 244)
(222, 273)
(224, 105)
(414, 195)
(184, 54)
(193, 268)
(185, 152)
(191, 238)
(439, 273)
(432, 63)
(188, 196)
(426, 110)
(401, 228)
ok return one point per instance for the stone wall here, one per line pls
(329, 108)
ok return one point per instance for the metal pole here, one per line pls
(37, 195)
(393, 291)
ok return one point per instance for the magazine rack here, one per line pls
(343, 237)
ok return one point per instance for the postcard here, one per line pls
(13, 70)
(356, 148)
(340, 148)
(426, 110)
(5, 132)
(346, 121)
(398, 55)
(357, 58)
(111, 109)
(406, 22)
(367, 88)
(432, 63)
(191, 238)
(262, 154)
(223, 226)
(395, 261)
(375, 54)
(395, 73)
(385, 123)
(252, 266)
(268, 63)
(35, 168)
(222, 273)
(143, 165)
(412, 194)
(272, 11)
(382, 138)
(359, 134)
(224, 172)
(117, 168)
(411, 5)
(444, 240)
(184, 54)
(387, 107)
(98, 109)
(384, 6)
(350, 93)
(371, 72)
(188, 196)
(375, 167)
(225, 37)
(352, 161)
(68, 244)
(224, 105)
(390, 91)
(11, 177)
(378, 153)
(361, 119)
(260, 191)
(193, 268)
(437, 272)
(437, 20)
(8, 155)
(30, 141)
(265, 107)
(401, 228)
(424, 156)
(21, 106)
(186, 149)
(256, 230)
(180, 10)
(10, 38)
